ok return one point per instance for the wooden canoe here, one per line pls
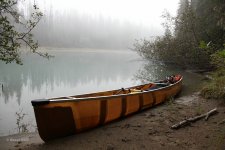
(62, 116)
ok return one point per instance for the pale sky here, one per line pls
(146, 12)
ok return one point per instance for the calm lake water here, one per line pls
(71, 72)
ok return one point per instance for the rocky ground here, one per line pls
(150, 129)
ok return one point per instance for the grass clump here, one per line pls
(215, 89)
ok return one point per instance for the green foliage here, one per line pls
(15, 30)
(218, 59)
(145, 48)
(202, 45)
(215, 89)
(191, 37)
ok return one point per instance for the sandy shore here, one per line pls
(149, 129)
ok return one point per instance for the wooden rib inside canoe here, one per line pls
(62, 116)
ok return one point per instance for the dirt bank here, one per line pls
(149, 129)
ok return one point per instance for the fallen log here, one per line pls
(193, 119)
(211, 112)
(222, 122)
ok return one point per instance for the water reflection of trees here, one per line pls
(67, 68)
(152, 71)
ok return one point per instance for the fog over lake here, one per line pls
(98, 24)
(91, 42)
(71, 72)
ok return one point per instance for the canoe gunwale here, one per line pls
(39, 102)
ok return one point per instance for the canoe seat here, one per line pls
(134, 91)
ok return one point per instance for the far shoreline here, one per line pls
(70, 49)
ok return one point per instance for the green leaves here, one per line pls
(218, 59)
(11, 38)
(196, 36)
(202, 45)
(215, 88)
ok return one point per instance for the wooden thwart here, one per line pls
(193, 119)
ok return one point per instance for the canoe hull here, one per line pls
(61, 118)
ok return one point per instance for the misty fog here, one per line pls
(73, 30)
(70, 28)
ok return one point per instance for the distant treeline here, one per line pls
(191, 38)
(72, 29)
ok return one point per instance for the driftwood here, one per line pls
(193, 119)
(222, 122)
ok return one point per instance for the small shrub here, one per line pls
(215, 89)
(21, 126)
(218, 59)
